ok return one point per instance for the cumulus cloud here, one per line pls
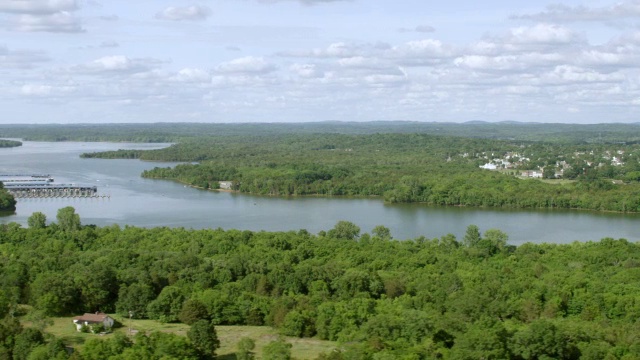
(36, 90)
(543, 34)
(45, 90)
(192, 75)
(248, 64)
(118, 64)
(189, 13)
(306, 70)
(37, 7)
(42, 15)
(339, 50)
(420, 52)
(564, 13)
(60, 22)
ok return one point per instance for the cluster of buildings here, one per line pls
(514, 161)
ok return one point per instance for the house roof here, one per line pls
(97, 317)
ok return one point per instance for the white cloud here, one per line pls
(564, 13)
(118, 64)
(38, 7)
(543, 34)
(522, 62)
(306, 70)
(192, 75)
(424, 52)
(189, 13)
(248, 64)
(60, 22)
(568, 74)
(361, 62)
(41, 90)
(334, 50)
(36, 90)
(385, 80)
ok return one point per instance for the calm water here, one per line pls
(143, 202)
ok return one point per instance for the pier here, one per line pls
(50, 190)
(42, 186)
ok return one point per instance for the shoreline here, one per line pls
(409, 203)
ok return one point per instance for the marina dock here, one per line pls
(43, 186)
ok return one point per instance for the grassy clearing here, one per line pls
(229, 336)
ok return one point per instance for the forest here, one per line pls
(378, 298)
(174, 132)
(9, 143)
(431, 169)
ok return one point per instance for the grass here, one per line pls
(229, 336)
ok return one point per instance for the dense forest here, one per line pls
(9, 143)
(439, 170)
(173, 132)
(379, 298)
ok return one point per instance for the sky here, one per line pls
(114, 61)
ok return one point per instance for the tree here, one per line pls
(245, 349)
(192, 311)
(472, 236)
(26, 341)
(167, 305)
(134, 299)
(204, 338)
(549, 172)
(7, 201)
(345, 230)
(98, 287)
(277, 350)
(68, 220)
(494, 241)
(37, 220)
(543, 340)
(485, 339)
(382, 232)
(54, 350)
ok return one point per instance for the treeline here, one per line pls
(9, 143)
(398, 167)
(449, 298)
(139, 133)
(117, 154)
(172, 132)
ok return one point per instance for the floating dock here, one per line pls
(23, 178)
(42, 186)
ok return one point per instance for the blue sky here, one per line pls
(87, 61)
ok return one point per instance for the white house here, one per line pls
(93, 319)
(489, 166)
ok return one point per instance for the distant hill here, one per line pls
(173, 132)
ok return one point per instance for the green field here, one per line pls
(229, 336)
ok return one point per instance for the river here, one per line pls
(145, 202)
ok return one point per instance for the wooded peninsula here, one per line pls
(409, 167)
